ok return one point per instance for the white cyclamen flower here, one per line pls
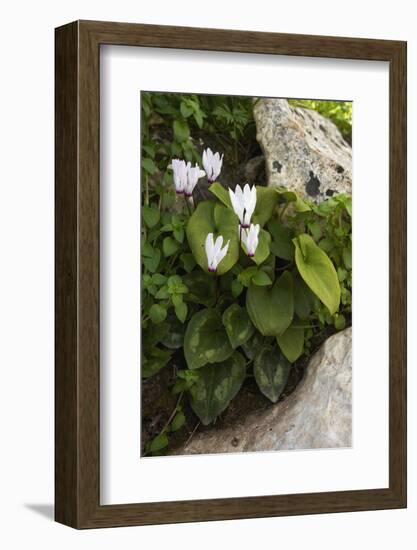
(243, 203)
(194, 173)
(214, 251)
(212, 163)
(179, 169)
(250, 239)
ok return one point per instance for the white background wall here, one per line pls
(26, 272)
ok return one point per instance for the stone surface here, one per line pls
(304, 151)
(254, 171)
(318, 414)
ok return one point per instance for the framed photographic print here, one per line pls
(230, 274)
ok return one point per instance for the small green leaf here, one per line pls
(245, 277)
(271, 371)
(339, 321)
(177, 299)
(159, 279)
(188, 262)
(149, 166)
(238, 325)
(150, 215)
(181, 311)
(158, 443)
(271, 309)
(185, 109)
(216, 386)
(179, 235)
(347, 257)
(291, 343)
(157, 313)
(261, 278)
(318, 271)
(178, 421)
(206, 340)
(169, 246)
(151, 263)
(181, 130)
(154, 361)
(162, 293)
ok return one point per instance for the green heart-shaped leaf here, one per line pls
(262, 250)
(318, 271)
(291, 342)
(216, 386)
(238, 326)
(150, 215)
(173, 337)
(271, 371)
(281, 245)
(221, 193)
(266, 201)
(210, 217)
(201, 288)
(271, 309)
(303, 299)
(206, 339)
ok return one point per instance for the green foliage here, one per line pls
(254, 316)
(340, 112)
(216, 386)
(271, 370)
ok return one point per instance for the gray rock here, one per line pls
(304, 151)
(255, 170)
(317, 415)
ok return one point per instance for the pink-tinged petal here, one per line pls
(222, 253)
(217, 245)
(209, 247)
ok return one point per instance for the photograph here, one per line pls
(246, 274)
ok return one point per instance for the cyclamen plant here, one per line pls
(240, 285)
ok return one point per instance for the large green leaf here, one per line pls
(210, 217)
(201, 288)
(318, 271)
(173, 337)
(271, 309)
(303, 299)
(266, 201)
(253, 346)
(221, 193)
(262, 250)
(281, 245)
(238, 326)
(291, 342)
(216, 386)
(271, 371)
(206, 340)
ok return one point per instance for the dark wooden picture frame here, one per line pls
(77, 374)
